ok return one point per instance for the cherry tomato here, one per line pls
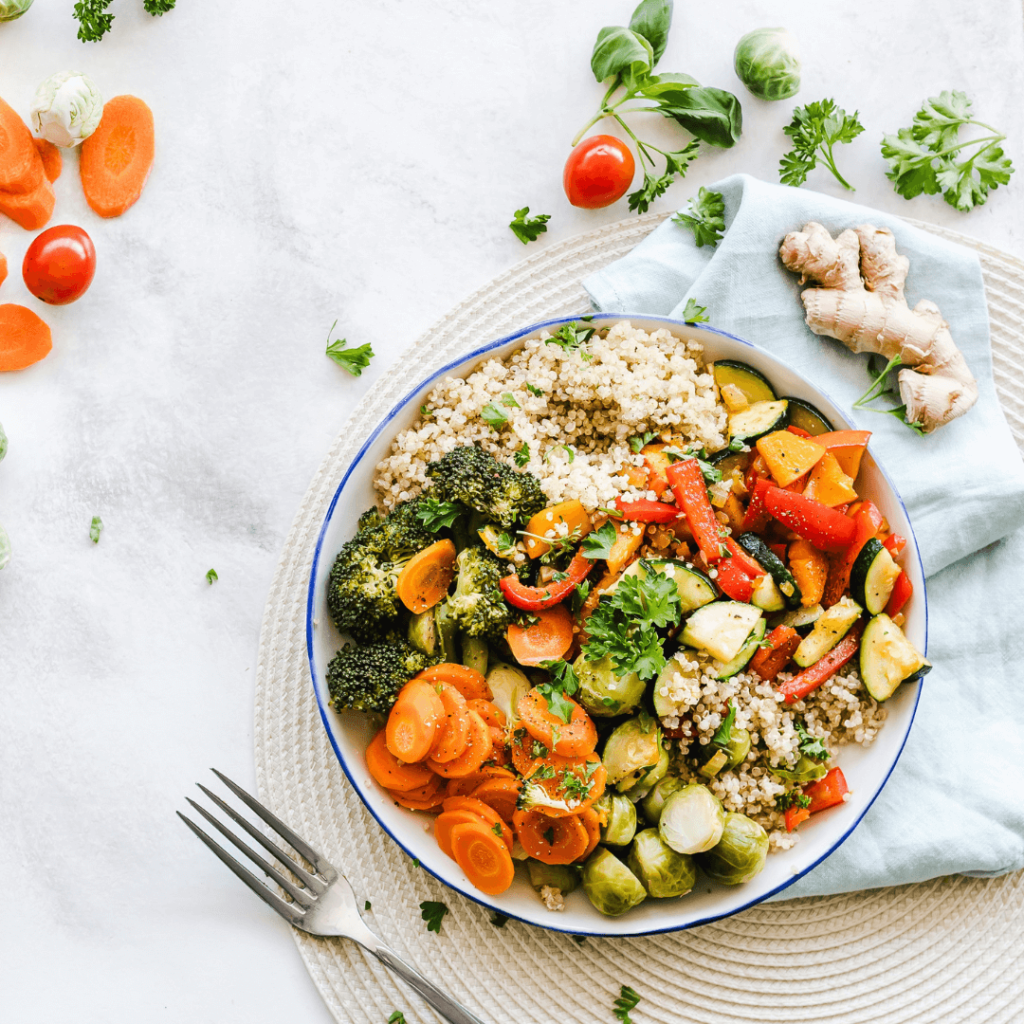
(598, 172)
(59, 264)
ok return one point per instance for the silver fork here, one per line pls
(323, 904)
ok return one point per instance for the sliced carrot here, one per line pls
(527, 752)
(501, 794)
(551, 840)
(391, 773)
(464, 786)
(476, 752)
(571, 513)
(31, 210)
(53, 162)
(414, 721)
(500, 754)
(24, 338)
(470, 683)
(575, 782)
(427, 798)
(574, 738)
(426, 577)
(592, 823)
(484, 858)
(546, 638)
(21, 167)
(446, 821)
(3, 268)
(117, 158)
(453, 732)
(488, 711)
(485, 812)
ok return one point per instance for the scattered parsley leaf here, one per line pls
(95, 529)
(158, 8)
(570, 451)
(522, 455)
(493, 416)
(640, 441)
(723, 733)
(694, 314)
(628, 998)
(794, 798)
(211, 576)
(549, 835)
(93, 23)
(433, 911)
(653, 188)
(570, 338)
(579, 596)
(498, 920)
(705, 217)
(535, 391)
(880, 387)
(397, 1018)
(435, 514)
(496, 829)
(599, 543)
(526, 228)
(815, 129)
(355, 360)
(564, 682)
(367, 905)
(813, 746)
(426, 412)
(415, 862)
(508, 400)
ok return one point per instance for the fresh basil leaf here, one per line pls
(211, 576)
(620, 51)
(712, 115)
(666, 88)
(652, 19)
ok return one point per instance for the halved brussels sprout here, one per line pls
(602, 692)
(805, 770)
(559, 876)
(475, 653)
(610, 885)
(423, 632)
(654, 802)
(507, 685)
(768, 63)
(662, 871)
(649, 779)
(692, 819)
(446, 631)
(738, 747)
(621, 814)
(632, 749)
(739, 855)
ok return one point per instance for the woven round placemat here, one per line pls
(948, 950)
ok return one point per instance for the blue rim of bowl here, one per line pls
(311, 598)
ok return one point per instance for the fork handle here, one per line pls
(452, 1011)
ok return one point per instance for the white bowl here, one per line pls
(866, 769)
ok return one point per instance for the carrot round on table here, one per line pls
(547, 637)
(414, 721)
(391, 773)
(116, 159)
(470, 683)
(484, 858)
(24, 338)
(477, 751)
(499, 793)
(453, 730)
(551, 840)
(484, 812)
(426, 577)
(575, 738)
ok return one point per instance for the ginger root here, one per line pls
(859, 300)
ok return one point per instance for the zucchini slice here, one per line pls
(760, 552)
(758, 419)
(767, 595)
(721, 628)
(751, 382)
(695, 589)
(873, 576)
(829, 628)
(747, 651)
(805, 416)
(887, 658)
(801, 619)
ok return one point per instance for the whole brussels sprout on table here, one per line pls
(11, 10)
(768, 63)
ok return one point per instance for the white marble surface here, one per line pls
(314, 161)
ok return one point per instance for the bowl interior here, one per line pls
(866, 769)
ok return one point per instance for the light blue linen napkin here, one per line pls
(955, 803)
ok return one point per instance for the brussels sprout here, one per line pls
(475, 653)
(621, 814)
(805, 770)
(649, 779)
(445, 631)
(740, 853)
(610, 885)
(422, 632)
(563, 877)
(654, 802)
(507, 685)
(632, 749)
(602, 692)
(768, 63)
(5, 547)
(738, 747)
(3, 443)
(692, 819)
(11, 10)
(662, 871)
(67, 108)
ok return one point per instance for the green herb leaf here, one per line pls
(426, 412)
(564, 682)
(654, 186)
(367, 905)
(571, 338)
(705, 217)
(397, 1017)
(794, 798)
(526, 228)
(599, 543)
(620, 51)
(93, 23)
(812, 746)
(579, 596)
(628, 998)
(509, 401)
(570, 451)
(723, 733)
(652, 19)
(492, 415)
(498, 920)
(435, 514)
(536, 392)
(549, 835)
(712, 115)
(95, 529)
(638, 441)
(433, 911)
(355, 360)
(158, 7)
(815, 129)
(522, 455)
(211, 576)
(694, 314)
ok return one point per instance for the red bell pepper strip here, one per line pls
(643, 510)
(769, 661)
(895, 543)
(687, 483)
(733, 581)
(536, 599)
(799, 431)
(867, 523)
(744, 561)
(757, 470)
(779, 550)
(794, 815)
(825, 668)
(756, 517)
(902, 592)
(818, 524)
(827, 791)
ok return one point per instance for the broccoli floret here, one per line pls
(361, 593)
(471, 476)
(368, 678)
(478, 607)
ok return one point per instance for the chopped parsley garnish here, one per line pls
(522, 455)
(579, 596)
(538, 749)
(564, 682)
(526, 228)
(433, 911)
(694, 314)
(509, 401)
(493, 416)
(435, 514)
(544, 771)
(794, 798)
(496, 829)
(811, 746)
(599, 543)
(570, 338)
(549, 835)
(95, 529)
(723, 734)
(355, 360)
(639, 441)
(535, 391)
(211, 575)
(426, 412)
(628, 998)
(568, 448)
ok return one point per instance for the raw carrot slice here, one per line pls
(446, 821)
(414, 721)
(116, 159)
(3, 268)
(546, 638)
(470, 683)
(21, 168)
(551, 840)
(484, 812)
(476, 752)
(453, 732)
(53, 162)
(489, 712)
(391, 773)
(483, 857)
(426, 577)
(24, 338)
(31, 210)
(465, 785)
(575, 738)
(592, 823)
(499, 793)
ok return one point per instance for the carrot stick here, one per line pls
(470, 683)
(483, 857)
(476, 752)
(31, 210)
(574, 738)
(453, 731)
(426, 577)
(414, 721)
(551, 840)
(116, 159)
(24, 338)
(389, 772)
(546, 638)
(53, 162)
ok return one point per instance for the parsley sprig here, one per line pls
(435, 514)
(639, 441)
(929, 156)
(794, 798)
(93, 21)
(705, 217)
(599, 543)
(571, 338)
(880, 387)
(526, 228)
(95, 529)
(628, 998)
(812, 746)
(694, 314)
(563, 683)
(815, 129)
(433, 911)
(355, 360)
